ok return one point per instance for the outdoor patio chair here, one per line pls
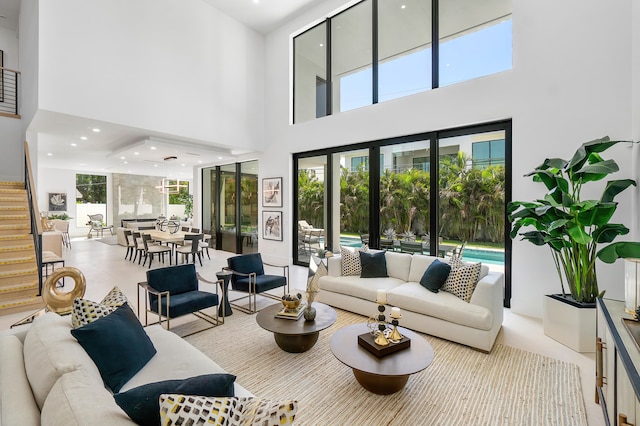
(249, 277)
(411, 247)
(96, 222)
(174, 291)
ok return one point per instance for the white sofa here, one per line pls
(47, 378)
(475, 323)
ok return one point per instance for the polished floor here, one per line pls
(104, 266)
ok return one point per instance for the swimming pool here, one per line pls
(470, 254)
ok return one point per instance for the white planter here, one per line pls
(570, 325)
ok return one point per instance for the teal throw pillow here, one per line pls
(118, 346)
(435, 276)
(142, 404)
(374, 265)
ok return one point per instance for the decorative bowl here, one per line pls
(291, 301)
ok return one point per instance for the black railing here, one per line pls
(36, 222)
(9, 86)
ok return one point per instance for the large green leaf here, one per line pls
(582, 154)
(608, 232)
(614, 187)
(534, 237)
(578, 234)
(621, 249)
(596, 215)
(597, 171)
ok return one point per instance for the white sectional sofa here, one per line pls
(47, 378)
(475, 323)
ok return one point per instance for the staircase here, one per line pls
(19, 272)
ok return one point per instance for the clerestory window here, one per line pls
(378, 50)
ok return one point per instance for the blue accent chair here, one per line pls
(174, 291)
(249, 277)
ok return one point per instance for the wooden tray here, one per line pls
(366, 340)
(633, 327)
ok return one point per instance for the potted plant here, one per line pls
(573, 229)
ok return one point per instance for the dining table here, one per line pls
(171, 238)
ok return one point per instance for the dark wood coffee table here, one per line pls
(385, 375)
(296, 335)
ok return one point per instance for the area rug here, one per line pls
(112, 240)
(462, 386)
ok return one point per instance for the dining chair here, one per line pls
(191, 247)
(150, 250)
(131, 247)
(205, 244)
(139, 246)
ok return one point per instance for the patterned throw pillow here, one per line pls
(115, 298)
(350, 260)
(232, 411)
(462, 279)
(86, 311)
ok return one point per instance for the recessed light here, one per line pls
(74, 144)
(404, 6)
(122, 158)
(95, 129)
(136, 153)
(49, 154)
(183, 164)
(126, 162)
(256, 1)
(321, 44)
(155, 165)
(200, 161)
(219, 158)
(84, 138)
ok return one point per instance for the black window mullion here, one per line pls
(329, 87)
(374, 196)
(328, 226)
(435, 45)
(374, 50)
(434, 195)
(238, 208)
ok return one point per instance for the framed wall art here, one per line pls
(272, 225)
(272, 192)
(57, 202)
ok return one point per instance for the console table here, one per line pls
(617, 366)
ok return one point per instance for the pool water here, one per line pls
(488, 256)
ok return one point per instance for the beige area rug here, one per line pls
(462, 386)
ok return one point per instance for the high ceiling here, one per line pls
(122, 149)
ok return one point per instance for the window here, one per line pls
(91, 198)
(388, 52)
(359, 201)
(490, 153)
(404, 48)
(351, 60)
(310, 74)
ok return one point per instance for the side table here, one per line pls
(225, 307)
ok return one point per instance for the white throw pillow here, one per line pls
(15, 392)
(350, 260)
(78, 399)
(462, 279)
(50, 351)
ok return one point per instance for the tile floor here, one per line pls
(104, 267)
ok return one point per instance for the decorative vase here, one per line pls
(310, 312)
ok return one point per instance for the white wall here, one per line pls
(173, 66)
(570, 83)
(11, 128)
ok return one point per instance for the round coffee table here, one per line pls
(296, 336)
(386, 375)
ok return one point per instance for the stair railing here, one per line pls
(34, 212)
(9, 91)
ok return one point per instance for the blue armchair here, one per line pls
(173, 292)
(249, 277)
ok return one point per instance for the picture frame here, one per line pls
(57, 201)
(272, 192)
(272, 225)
